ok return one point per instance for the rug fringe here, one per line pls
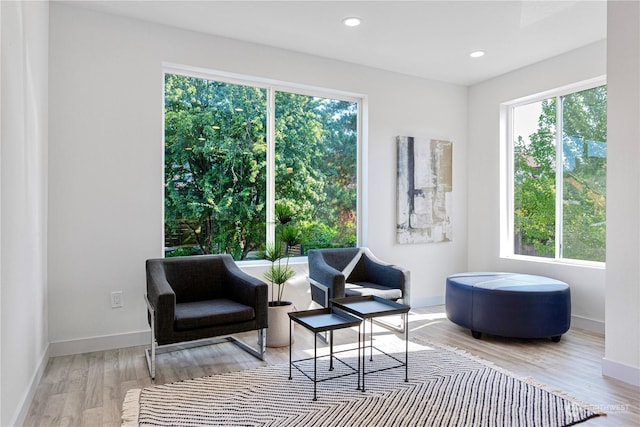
(528, 380)
(564, 395)
(131, 408)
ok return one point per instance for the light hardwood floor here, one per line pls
(88, 389)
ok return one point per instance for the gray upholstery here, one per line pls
(204, 296)
(202, 314)
(368, 276)
(196, 297)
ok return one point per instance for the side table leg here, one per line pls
(290, 359)
(406, 348)
(364, 351)
(331, 350)
(371, 339)
(315, 363)
(359, 351)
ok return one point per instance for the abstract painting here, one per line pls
(424, 190)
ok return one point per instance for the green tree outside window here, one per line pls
(583, 180)
(215, 168)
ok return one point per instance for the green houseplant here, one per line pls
(292, 237)
(277, 274)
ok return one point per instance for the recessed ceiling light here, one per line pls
(477, 54)
(351, 21)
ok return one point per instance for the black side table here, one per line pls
(369, 307)
(322, 320)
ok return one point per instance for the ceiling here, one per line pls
(430, 39)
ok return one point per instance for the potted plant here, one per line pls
(284, 213)
(278, 274)
(291, 237)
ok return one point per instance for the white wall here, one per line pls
(105, 163)
(587, 284)
(618, 285)
(105, 174)
(622, 345)
(23, 207)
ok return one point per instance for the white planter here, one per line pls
(278, 330)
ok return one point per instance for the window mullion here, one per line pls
(271, 165)
(559, 178)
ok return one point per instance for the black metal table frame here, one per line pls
(391, 307)
(348, 321)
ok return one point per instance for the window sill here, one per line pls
(554, 261)
(299, 260)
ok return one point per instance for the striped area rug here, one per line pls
(445, 388)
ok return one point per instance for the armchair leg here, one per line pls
(404, 317)
(150, 353)
(259, 353)
(391, 326)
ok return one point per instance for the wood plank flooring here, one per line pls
(88, 389)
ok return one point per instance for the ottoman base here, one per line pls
(509, 304)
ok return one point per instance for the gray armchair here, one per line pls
(336, 273)
(198, 297)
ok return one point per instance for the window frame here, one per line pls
(507, 244)
(271, 87)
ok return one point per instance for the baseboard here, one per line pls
(587, 324)
(427, 301)
(620, 371)
(23, 408)
(132, 339)
(105, 342)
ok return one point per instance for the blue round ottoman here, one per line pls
(509, 304)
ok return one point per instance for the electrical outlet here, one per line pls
(116, 299)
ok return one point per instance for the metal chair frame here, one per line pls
(155, 349)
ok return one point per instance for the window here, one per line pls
(247, 164)
(558, 147)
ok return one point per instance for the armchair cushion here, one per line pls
(201, 314)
